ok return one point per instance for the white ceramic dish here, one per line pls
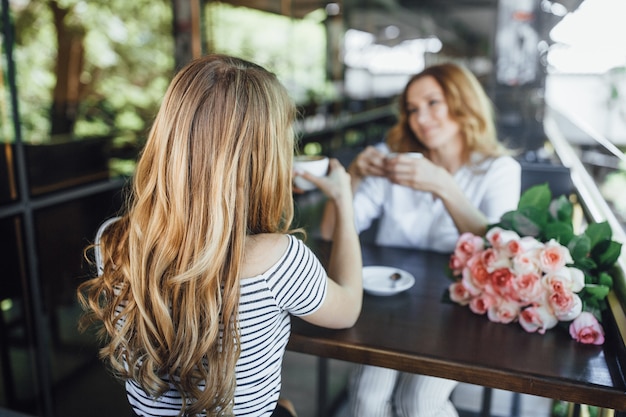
(376, 280)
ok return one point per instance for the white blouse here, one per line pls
(417, 219)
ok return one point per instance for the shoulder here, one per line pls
(262, 251)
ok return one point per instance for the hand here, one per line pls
(336, 185)
(417, 173)
(369, 162)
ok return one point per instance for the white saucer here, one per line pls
(376, 280)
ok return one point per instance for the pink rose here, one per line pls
(456, 264)
(571, 279)
(502, 282)
(459, 294)
(554, 256)
(467, 245)
(528, 287)
(482, 303)
(523, 245)
(586, 329)
(577, 279)
(565, 304)
(504, 312)
(493, 259)
(530, 243)
(475, 276)
(514, 247)
(555, 283)
(526, 263)
(499, 238)
(537, 319)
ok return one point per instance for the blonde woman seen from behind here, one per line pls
(464, 180)
(201, 273)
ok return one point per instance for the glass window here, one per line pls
(92, 70)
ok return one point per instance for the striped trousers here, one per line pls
(382, 392)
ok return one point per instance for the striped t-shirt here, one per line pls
(296, 285)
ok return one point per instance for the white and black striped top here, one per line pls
(296, 285)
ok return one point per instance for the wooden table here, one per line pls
(415, 331)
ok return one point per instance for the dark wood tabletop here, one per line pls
(415, 331)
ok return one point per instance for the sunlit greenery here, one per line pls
(127, 59)
(292, 48)
(124, 52)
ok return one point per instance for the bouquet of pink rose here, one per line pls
(531, 268)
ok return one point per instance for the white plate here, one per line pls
(376, 280)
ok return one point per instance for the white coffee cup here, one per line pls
(411, 154)
(313, 164)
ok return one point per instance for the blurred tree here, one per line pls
(100, 67)
(91, 68)
(69, 66)
(295, 49)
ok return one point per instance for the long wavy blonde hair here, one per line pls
(216, 168)
(468, 105)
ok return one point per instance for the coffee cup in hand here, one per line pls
(314, 164)
(410, 154)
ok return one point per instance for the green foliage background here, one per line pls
(294, 49)
(129, 60)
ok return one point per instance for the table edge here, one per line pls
(531, 384)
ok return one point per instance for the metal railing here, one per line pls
(596, 210)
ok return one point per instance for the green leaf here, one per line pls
(525, 225)
(606, 253)
(562, 210)
(537, 216)
(529, 221)
(598, 232)
(538, 196)
(591, 303)
(559, 231)
(506, 221)
(605, 279)
(585, 263)
(598, 292)
(602, 306)
(579, 247)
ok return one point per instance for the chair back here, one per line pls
(97, 251)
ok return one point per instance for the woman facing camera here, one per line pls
(201, 271)
(441, 172)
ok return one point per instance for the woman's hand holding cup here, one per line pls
(370, 161)
(335, 185)
(314, 165)
(404, 168)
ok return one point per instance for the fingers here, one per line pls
(401, 164)
(406, 170)
(369, 162)
(309, 177)
(336, 184)
(334, 164)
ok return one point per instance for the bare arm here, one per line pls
(369, 162)
(342, 305)
(466, 217)
(422, 174)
